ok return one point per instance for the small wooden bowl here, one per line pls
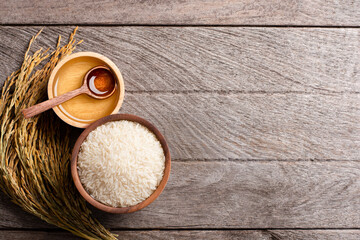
(68, 75)
(75, 174)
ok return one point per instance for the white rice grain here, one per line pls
(121, 163)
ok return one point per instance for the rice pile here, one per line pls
(121, 163)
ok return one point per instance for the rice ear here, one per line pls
(35, 153)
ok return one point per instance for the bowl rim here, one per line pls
(75, 173)
(99, 56)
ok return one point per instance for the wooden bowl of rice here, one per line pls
(115, 184)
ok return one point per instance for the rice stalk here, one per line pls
(35, 152)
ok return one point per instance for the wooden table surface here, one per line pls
(259, 102)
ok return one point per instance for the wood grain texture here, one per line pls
(245, 115)
(274, 12)
(212, 59)
(209, 235)
(228, 100)
(239, 195)
(253, 126)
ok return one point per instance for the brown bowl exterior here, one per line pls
(93, 126)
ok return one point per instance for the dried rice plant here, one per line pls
(35, 153)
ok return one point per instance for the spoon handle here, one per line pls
(42, 107)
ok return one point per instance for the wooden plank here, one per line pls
(253, 126)
(266, 194)
(209, 235)
(315, 234)
(274, 12)
(212, 59)
(12, 216)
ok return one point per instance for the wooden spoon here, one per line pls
(99, 83)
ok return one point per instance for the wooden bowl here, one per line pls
(68, 75)
(75, 174)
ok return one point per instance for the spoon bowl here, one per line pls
(108, 82)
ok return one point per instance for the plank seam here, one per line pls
(183, 229)
(174, 25)
(192, 160)
(227, 92)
